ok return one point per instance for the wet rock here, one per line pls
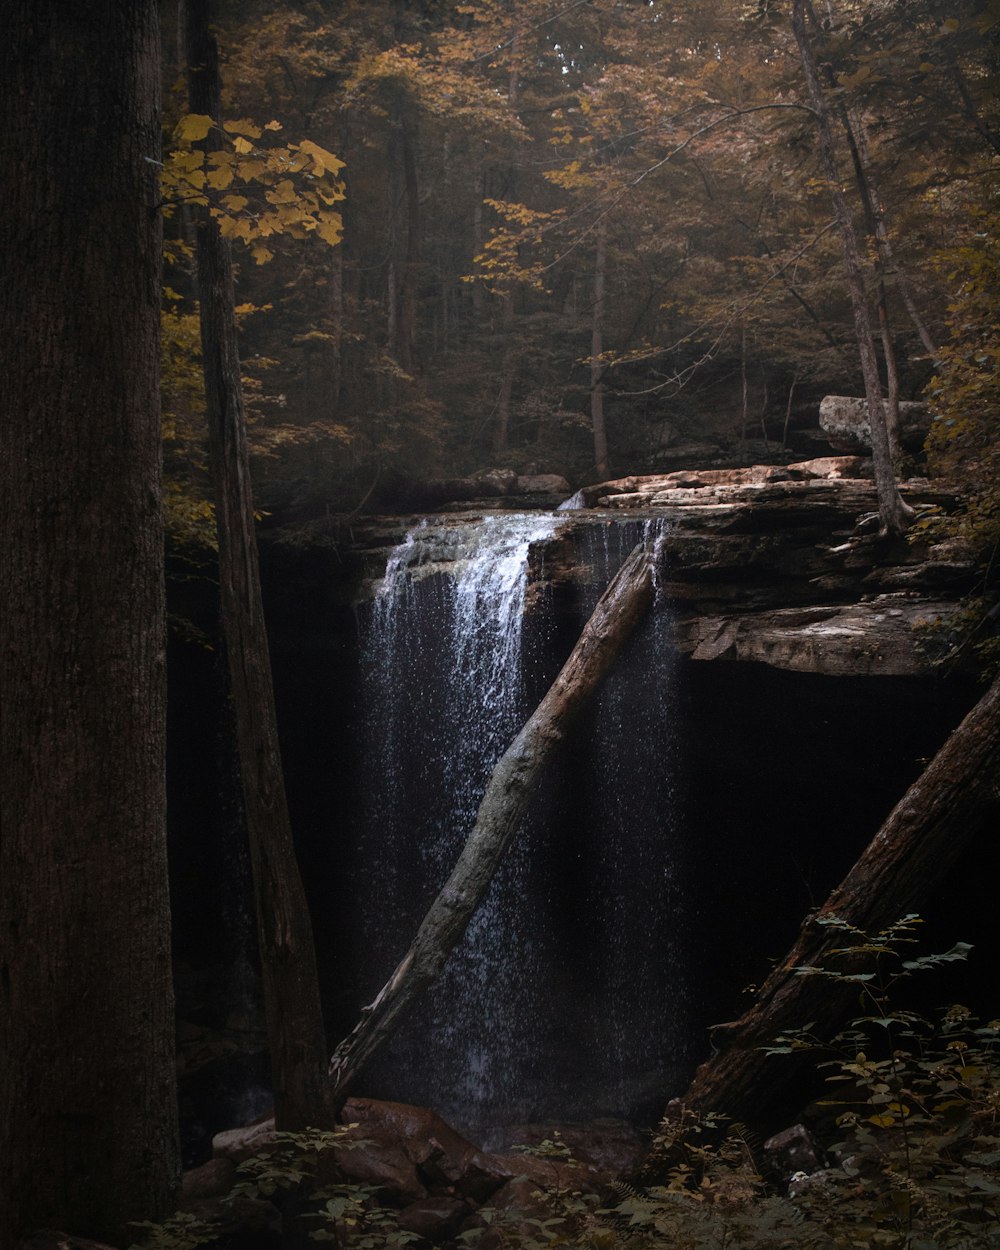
(542, 484)
(413, 1150)
(834, 467)
(51, 1239)
(237, 1144)
(384, 1165)
(611, 1146)
(435, 1218)
(844, 421)
(875, 638)
(793, 1150)
(211, 1180)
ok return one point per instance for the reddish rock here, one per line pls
(435, 1218)
(611, 1146)
(211, 1180)
(434, 1150)
(834, 467)
(385, 1165)
(50, 1239)
(238, 1144)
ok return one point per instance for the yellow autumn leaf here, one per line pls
(184, 162)
(235, 203)
(282, 193)
(249, 171)
(273, 125)
(330, 228)
(261, 254)
(220, 178)
(192, 127)
(243, 146)
(243, 127)
(323, 160)
(234, 227)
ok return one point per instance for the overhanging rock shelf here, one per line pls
(765, 564)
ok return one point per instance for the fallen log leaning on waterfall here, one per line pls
(953, 802)
(512, 785)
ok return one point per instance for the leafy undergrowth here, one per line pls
(911, 1162)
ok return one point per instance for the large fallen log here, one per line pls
(511, 787)
(955, 801)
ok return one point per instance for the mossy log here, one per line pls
(955, 801)
(514, 781)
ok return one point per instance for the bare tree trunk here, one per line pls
(88, 1110)
(895, 514)
(337, 316)
(512, 785)
(284, 931)
(956, 799)
(596, 349)
(744, 386)
(788, 413)
(411, 263)
(478, 235)
(509, 369)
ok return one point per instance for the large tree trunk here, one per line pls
(596, 350)
(512, 785)
(88, 1116)
(895, 514)
(955, 800)
(284, 932)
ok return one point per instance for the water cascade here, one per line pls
(567, 996)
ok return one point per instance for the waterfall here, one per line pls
(557, 1001)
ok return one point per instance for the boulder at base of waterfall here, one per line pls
(237, 1144)
(211, 1180)
(542, 484)
(793, 1150)
(50, 1239)
(614, 1147)
(844, 421)
(436, 1219)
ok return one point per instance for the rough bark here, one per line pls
(88, 1119)
(956, 799)
(894, 513)
(502, 432)
(596, 349)
(288, 965)
(511, 787)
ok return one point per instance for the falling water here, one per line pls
(557, 1001)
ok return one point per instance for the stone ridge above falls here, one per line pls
(779, 565)
(782, 565)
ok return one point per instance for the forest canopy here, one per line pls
(559, 215)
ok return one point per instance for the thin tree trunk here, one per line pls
(744, 387)
(956, 799)
(337, 316)
(502, 433)
(895, 514)
(788, 413)
(88, 1110)
(284, 931)
(858, 145)
(884, 243)
(509, 369)
(512, 785)
(596, 350)
(478, 236)
(411, 263)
